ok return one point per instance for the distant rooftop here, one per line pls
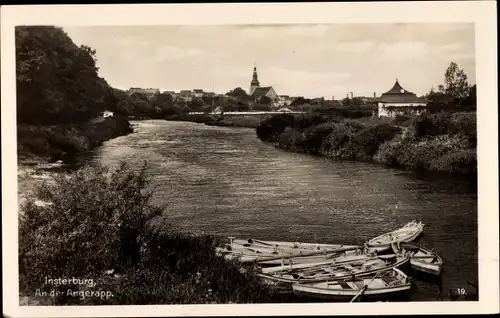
(397, 94)
(261, 91)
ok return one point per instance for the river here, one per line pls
(225, 181)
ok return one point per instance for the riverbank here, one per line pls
(39, 144)
(112, 238)
(443, 142)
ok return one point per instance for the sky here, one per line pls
(310, 60)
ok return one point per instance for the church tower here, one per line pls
(255, 82)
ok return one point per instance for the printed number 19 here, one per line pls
(461, 291)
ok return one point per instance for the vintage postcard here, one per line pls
(257, 159)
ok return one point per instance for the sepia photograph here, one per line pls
(323, 163)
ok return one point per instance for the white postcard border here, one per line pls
(481, 13)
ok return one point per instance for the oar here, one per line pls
(310, 253)
(364, 288)
(299, 267)
(263, 243)
(359, 294)
(303, 267)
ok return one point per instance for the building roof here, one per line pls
(397, 94)
(198, 90)
(402, 99)
(261, 91)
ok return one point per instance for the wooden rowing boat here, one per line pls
(276, 252)
(407, 233)
(319, 258)
(336, 270)
(281, 246)
(421, 259)
(379, 284)
(354, 256)
(266, 258)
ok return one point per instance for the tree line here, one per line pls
(58, 82)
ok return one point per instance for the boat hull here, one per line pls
(305, 291)
(412, 235)
(426, 268)
(433, 265)
(377, 285)
(286, 282)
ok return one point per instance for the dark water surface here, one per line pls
(225, 181)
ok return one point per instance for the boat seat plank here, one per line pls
(376, 283)
(344, 285)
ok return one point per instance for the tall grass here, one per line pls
(99, 224)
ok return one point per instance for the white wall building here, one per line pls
(399, 101)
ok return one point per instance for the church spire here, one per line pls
(255, 81)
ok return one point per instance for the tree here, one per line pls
(195, 105)
(299, 101)
(455, 82)
(57, 81)
(237, 92)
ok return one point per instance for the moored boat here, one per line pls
(295, 248)
(341, 269)
(421, 259)
(406, 234)
(275, 252)
(266, 258)
(379, 284)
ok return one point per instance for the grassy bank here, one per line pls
(442, 142)
(98, 225)
(37, 143)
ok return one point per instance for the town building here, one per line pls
(149, 92)
(198, 93)
(398, 100)
(284, 100)
(186, 95)
(265, 91)
(258, 92)
(208, 94)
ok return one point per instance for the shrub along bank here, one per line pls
(38, 143)
(441, 142)
(98, 229)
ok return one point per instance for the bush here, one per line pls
(462, 162)
(65, 141)
(291, 139)
(304, 121)
(431, 124)
(446, 123)
(402, 120)
(339, 135)
(428, 154)
(466, 124)
(269, 129)
(365, 143)
(96, 220)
